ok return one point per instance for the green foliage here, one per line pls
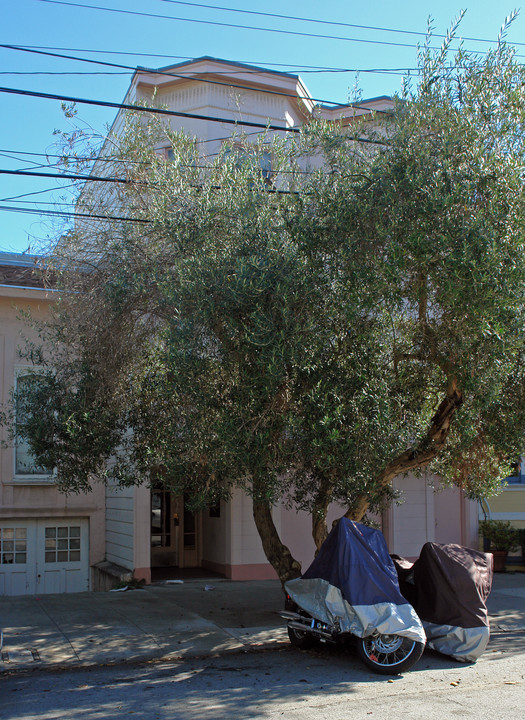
(501, 534)
(301, 341)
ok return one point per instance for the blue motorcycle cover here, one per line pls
(352, 583)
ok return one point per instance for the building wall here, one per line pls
(216, 538)
(34, 503)
(428, 512)
(509, 505)
(142, 534)
(120, 523)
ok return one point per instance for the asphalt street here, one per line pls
(275, 684)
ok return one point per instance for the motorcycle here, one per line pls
(351, 593)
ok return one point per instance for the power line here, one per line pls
(141, 108)
(162, 111)
(39, 202)
(231, 25)
(36, 192)
(27, 73)
(30, 73)
(169, 73)
(59, 213)
(297, 68)
(125, 181)
(68, 176)
(319, 21)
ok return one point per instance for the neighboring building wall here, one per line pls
(216, 539)
(58, 538)
(509, 505)
(247, 558)
(428, 513)
(411, 523)
(297, 532)
(120, 517)
(142, 534)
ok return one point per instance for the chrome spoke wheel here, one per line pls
(389, 654)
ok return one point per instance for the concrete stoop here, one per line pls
(107, 575)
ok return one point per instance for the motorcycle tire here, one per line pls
(389, 654)
(300, 639)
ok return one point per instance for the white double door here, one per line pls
(40, 556)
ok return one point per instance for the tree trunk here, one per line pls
(320, 510)
(278, 554)
(418, 457)
(358, 509)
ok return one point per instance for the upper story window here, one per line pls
(25, 464)
(252, 157)
(186, 159)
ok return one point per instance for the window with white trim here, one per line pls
(62, 544)
(251, 157)
(25, 464)
(13, 546)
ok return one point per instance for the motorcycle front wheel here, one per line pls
(389, 654)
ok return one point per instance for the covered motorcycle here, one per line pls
(448, 586)
(352, 589)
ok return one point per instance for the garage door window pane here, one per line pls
(62, 544)
(13, 546)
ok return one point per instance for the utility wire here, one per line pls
(319, 21)
(298, 68)
(69, 176)
(232, 25)
(254, 27)
(30, 73)
(27, 73)
(162, 111)
(36, 211)
(141, 108)
(36, 192)
(169, 73)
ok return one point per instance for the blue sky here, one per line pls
(27, 124)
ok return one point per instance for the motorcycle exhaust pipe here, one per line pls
(308, 624)
(304, 627)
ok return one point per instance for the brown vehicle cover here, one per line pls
(448, 587)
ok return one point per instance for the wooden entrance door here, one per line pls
(175, 531)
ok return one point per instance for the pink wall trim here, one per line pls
(254, 571)
(142, 574)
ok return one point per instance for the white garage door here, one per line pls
(44, 556)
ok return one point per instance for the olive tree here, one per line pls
(306, 339)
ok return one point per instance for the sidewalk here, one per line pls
(159, 621)
(191, 619)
